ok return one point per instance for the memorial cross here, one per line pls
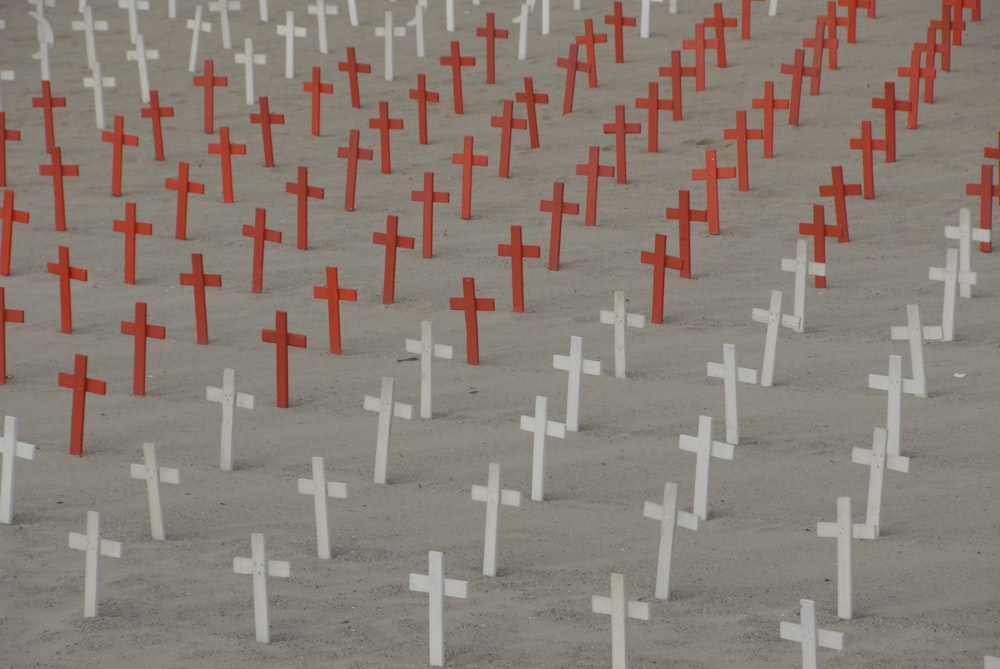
(705, 449)
(809, 636)
(6, 316)
(711, 174)
(133, 7)
(198, 280)
(57, 170)
(677, 73)
(141, 330)
(302, 192)
(620, 319)
(392, 241)
(943, 47)
(719, 24)
(531, 99)
(915, 73)
(767, 105)
(684, 215)
(118, 139)
(131, 227)
(521, 20)
(151, 472)
(155, 113)
(385, 125)
(661, 261)
(878, 461)
(226, 150)
(353, 68)
(427, 349)
(80, 384)
(265, 118)
(745, 18)
(507, 124)
(6, 135)
(321, 10)
(260, 234)
(209, 81)
(839, 191)
(184, 186)
(517, 251)
(494, 495)
(290, 31)
(589, 40)
(801, 266)
(47, 103)
(653, 105)
(223, 7)
(950, 276)
(819, 43)
(389, 32)
(46, 39)
(141, 55)
(774, 320)
(8, 217)
(456, 62)
(895, 385)
(797, 69)
(471, 305)
(282, 339)
(620, 609)
(953, 22)
(230, 400)
(819, 231)
(423, 96)
(867, 145)
(891, 105)
(670, 517)
(965, 235)
(491, 34)
(247, 58)
(197, 27)
(10, 449)
(743, 135)
(386, 409)
(843, 532)
(66, 274)
(914, 333)
(557, 207)
(353, 153)
(986, 190)
(620, 129)
(88, 25)
(94, 547)
(437, 587)
(98, 82)
(417, 22)
(619, 21)
(699, 44)
(467, 159)
(334, 294)
(593, 170)
(731, 375)
(429, 197)
(260, 567)
(540, 427)
(576, 366)
(573, 65)
(321, 489)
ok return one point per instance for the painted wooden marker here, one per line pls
(141, 55)
(915, 74)
(619, 21)
(260, 234)
(878, 461)
(6, 316)
(208, 81)
(589, 41)
(890, 105)
(334, 294)
(839, 191)
(809, 636)
(573, 66)
(184, 187)
(684, 215)
(868, 145)
(88, 26)
(47, 103)
(290, 31)
(732, 375)
(417, 22)
(676, 72)
(353, 68)
(94, 547)
(894, 385)
(66, 273)
(620, 320)
(226, 150)
(914, 333)
(98, 82)
(81, 385)
(797, 70)
(223, 7)
(133, 7)
(507, 124)
(230, 400)
(711, 174)
(260, 567)
(456, 62)
(389, 32)
(593, 170)
(718, 23)
(491, 34)
(8, 217)
(620, 129)
(705, 449)
(5, 75)
(437, 588)
(819, 231)
(774, 319)
(653, 106)
(620, 609)
(965, 235)
(557, 207)
(949, 275)
(540, 427)
(353, 153)
(302, 192)
(198, 280)
(471, 305)
(986, 190)
(517, 251)
(130, 227)
(521, 21)
(392, 241)
(10, 450)
(742, 135)
(429, 197)
(468, 160)
(670, 517)
(423, 96)
(661, 261)
(6, 135)
(386, 409)
(248, 59)
(576, 366)
(321, 10)
(385, 125)
(282, 339)
(699, 45)
(151, 472)
(155, 113)
(197, 27)
(494, 495)
(427, 349)
(801, 266)
(58, 170)
(320, 489)
(767, 105)
(531, 100)
(141, 330)
(118, 140)
(843, 532)
(265, 118)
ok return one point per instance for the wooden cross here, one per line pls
(260, 234)
(719, 24)
(797, 69)
(676, 73)
(620, 609)
(87, 26)
(155, 113)
(731, 375)
(573, 66)
(818, 43)
(10, 450)
(531, 100)
(132, 7)
(620, 319)
(653, 104)
(302, 192)
(521, 20)
(742, 135)
(80, 384)
(950, 27)
(427, 349)
(386, 409)
(867, 145)
(66, 274)
(130, 227)
(57, 170)
(711, 174)
(491, 34)
(620, 129)
(392, 241)
(198, 280)
(507, 124)
(471, 305)
(670, 517)
(260, 567)
(316, 89)
(819, 231)
(837, 21)
(915, 74)
(423, 96)
(808, 635)
(226, 150)
(223, 7)
(467, 159)
(942, 47)
(353, 153)
(965, 235)
(265, 118)
(184, 186)
(321, 10)
(618, 20)
(8, 217)
(986, 190)
(745, 18)
(353, 68)
(878, 461)
(154, 475)
(494, 495)
(839, 191)
(385, 125)
(950, 276)
(141, 55)
(456, 62)
(47, 103)
(914, 333)
(517, 252)
(576, 366)
(437, 588)
(774, 320)
(843, 532)
(684, 215)
(767, 105)
(593, 170)
(6, 135)
(557, 207)
(417, 22)
(705, 449)
(197, 27)
(644, 16)
(141, 330)
(290, 31)
(589, 40)
(334, 294)
(852, 7)
(94, 547)
(801, 266)
(321, 489)
(6, 316)
(98, 82)
(891, 105)
(5, 75)
(389, 32)
(429, 197)
(895, 385)
(699, 45)
(661, 261)
(282, 339)
(230, 400)
(540, 427)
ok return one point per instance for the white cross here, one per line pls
(427, 350)
(290, 31)
(388, 31)
(494, 495)
(521, 20)
(620, 609)
(321, 10)
(321, 489)
(386, 409)
(670, 517)
(153, 475)
(644, 17)
(46, 39)
(140, 55)
(247, 58)
(842, 531)
(10, 449)
(98, 83)
(801, 266)
(546, 16)
(5, 75)
(705, 449)
(449, 15)
(894, 385)
(951, 276)
(540, 427)
(223, 7)
(577, 366)
(965, 235)
(620, 319)
(132, 6)
(913, 331)
(774, 319)
(878, 461)
(197, 27)
(258, 566)
(229, 399)
(437, 588)
(418, 27)
(731, 376)
(94, 547)
(805, 633)
(352, 12)
(88, 25)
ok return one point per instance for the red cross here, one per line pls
(768, 104)
(952, 16)
(5, 136)
(839, 191)
(589, 41)
(456, 62)
(265, 118)
(661, 262)
(260, 234)
(742, 135)
(958, 7)
(209, 81)
(711, 174)
(868, 146)
(353, 153)
(47, 103)
(986, 190)
(80, 384)
(507, 124)
(745, 18)
(868, 5)
(676, 73)
(944, 46)
(118, 139)
(818, 43)
(619, 21)
(838, 21)
(198, 280)
(517, 252)
(302, 192)
(429, 197)
(573, 65)
(557, 207)
(797, 70)
(57, 171)
(385, 125)
(654, 105)
(593, 170)
(316, 89)
(915, 73)
(333, 294)
(141, 330)
(8, 217)
(282, 339)
(226, 151)
(490, 33)
(6, 316)
(852, 18)
(699, 44)
(993, 151)
(530, 99)
(928, 59)
(130, 227)
(684, 214)
(155, 113)
(353, 67)
(819, 232)
(620, 129)
(184, 186)
(66, 273)
(471, 305)
(891, 105)
(423, 96)
(392, 241)
(467, 159)
(719, 23)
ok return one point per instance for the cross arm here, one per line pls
(827, 529)
(111, 548)
(830, 639)
(723, 450)
(24, 451)
(420, 583)
(279, 568)
(336, 490)
(443, 351)
(372, 403)
(414, 346)
(456, 588)
(687, 520)
(78, 541)
(401, 410)
(242, 565)
(592, 367)
(510, 497)
(169, 475)
(746, 375)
